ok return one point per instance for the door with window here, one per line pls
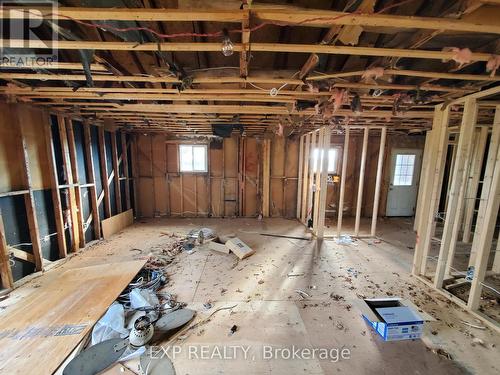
(403, 186)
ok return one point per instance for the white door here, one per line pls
(403, 186)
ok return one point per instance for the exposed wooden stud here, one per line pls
(75, 182)
(5, 270)
(432, 187)
(482, 243)
(89, 160)
(423, 176)
(305, 178)
(54, 188)
(378, 181)
(323, 183)
(495, 268)
(300, 177)
(459, 175)
(104, 173)
(361, 185)
(125, 146)
(473, 183)
(135, 173)
(343, 176)
(487, 180)
(450, 177)
(266, 176)
(319, 156)
(29, 200)
(116, 179)
(312, 167)
(71, 215)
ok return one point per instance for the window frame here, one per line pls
(193, 145)
(333, 148)
(398, 177)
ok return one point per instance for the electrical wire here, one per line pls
(465, 274)
(108, 27)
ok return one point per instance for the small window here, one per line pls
(403, 172)
(193, 158)
(333, 159)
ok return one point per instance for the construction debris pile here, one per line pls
(142, 315)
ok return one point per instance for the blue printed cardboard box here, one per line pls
(393, 319)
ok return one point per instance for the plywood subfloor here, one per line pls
(268, 311)
(47, 318)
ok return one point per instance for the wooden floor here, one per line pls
(268, 311)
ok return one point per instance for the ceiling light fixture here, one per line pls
(227, 45)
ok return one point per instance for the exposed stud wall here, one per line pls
(49, 202)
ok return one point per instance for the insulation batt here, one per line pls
(493, 64)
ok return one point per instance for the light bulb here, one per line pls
(227, 47)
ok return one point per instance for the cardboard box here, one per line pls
(239, 248)
(393, 318)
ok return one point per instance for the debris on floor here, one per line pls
(302, 294)
(234, 328)
(344, 239)
(308, 238)
(142, 314)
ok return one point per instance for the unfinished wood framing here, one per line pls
(266, 176)
(487, 181)
(361, 184)
(29, 202)
(482, 243)
(75, 184)
(89, 161)
(125, 147)
(464, 186)
(5, 270)
(71, 214)
(323, 183)
(54, 189)
(300, 180)
(455, 204)
(298, 129)
(104, 174)
(473, 182)
(343, 177)
(378, 182)
(431, 187)
(116, 173)
(305, 179)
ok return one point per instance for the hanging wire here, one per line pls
(108, 27)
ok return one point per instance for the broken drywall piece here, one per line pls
(212, 245)
(239, 248)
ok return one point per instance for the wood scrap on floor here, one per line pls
(239, 248)
(116, 223)
(212, 245)
(47, 326)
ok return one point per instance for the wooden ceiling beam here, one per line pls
(302, 17)
(411, 73)
(124, 14)
(254, 47)
(253, 109)
(220, 80)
